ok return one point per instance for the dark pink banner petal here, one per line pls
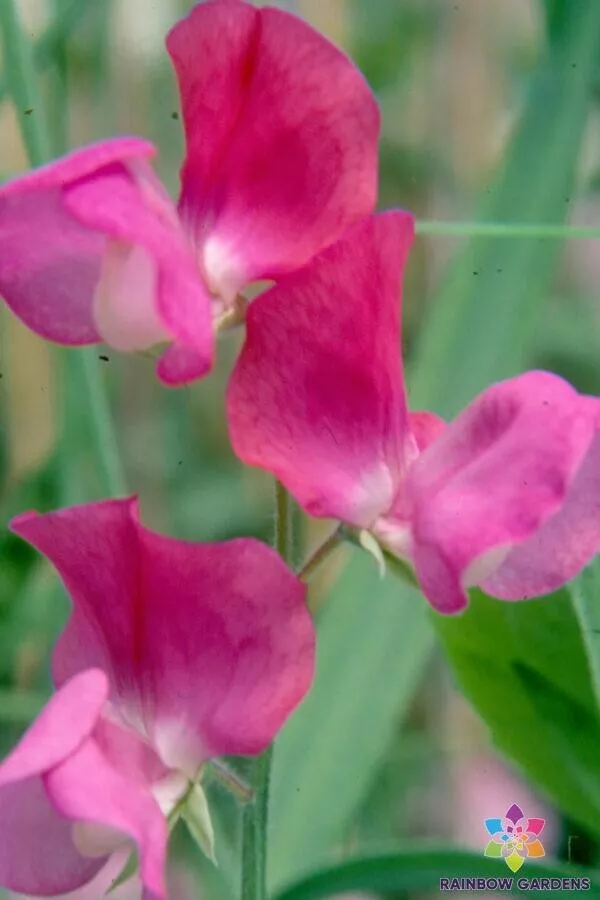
(317, 395)
(282, 134)
(208, 647)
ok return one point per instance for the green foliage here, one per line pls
(374, 642)
(481, 326)
(420, 869)
(524, 667)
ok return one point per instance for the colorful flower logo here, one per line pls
(515, 838)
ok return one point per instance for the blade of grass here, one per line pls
(481, 325)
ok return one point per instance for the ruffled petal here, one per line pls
(37, 853)
(317, 395)
(208, 647)
(151, 289)
(50, 263)
(494, 479)
(282, 134)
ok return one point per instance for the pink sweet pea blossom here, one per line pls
(175, 653)
(281, 133)
(507, 496)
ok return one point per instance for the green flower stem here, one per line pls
(30, 112)
(283, 522)
(256, 813)
(254, 831)
(322, 552)
(503, 230)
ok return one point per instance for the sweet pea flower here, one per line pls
(506, 496)
(281, 132)
(175, 653)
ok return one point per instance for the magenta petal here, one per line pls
(37, 855)
(131, 207)
(536, 825)
(317, 395)
(562, 546)
(210, 645)
(89, 787)
(49, 263)
(493, 479)
(180, 364)
(282, 134)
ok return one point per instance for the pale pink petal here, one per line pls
(90, 787)
(317, 395)
(561, 547)
(208, 647)
(172, 303)
(37, 854)
(49, 263)
(282, 134)
(492, 479)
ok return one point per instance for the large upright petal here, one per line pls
(317, 395)
(50, 263)
(208, 647)
(492, 483)
(37, 853)
(282, 134)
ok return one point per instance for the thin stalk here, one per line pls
(504, 230)
(283, 522)
(318, 556)
(256, 814)
(254, 831)
(45, 47)
(26, 97)
(230, 780)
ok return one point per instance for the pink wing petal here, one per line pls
(561, 547)
(282, 134)
(90, 787)
(317, 395)
(492, 480)
(37, 854)
(49, 263)
(210, 645)
(67, 719)
(155, 296)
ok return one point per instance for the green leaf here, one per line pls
(585, 595)
(374, 641)
(421, 869)
(524, 668)
(481, 326)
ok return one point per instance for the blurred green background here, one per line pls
(490, 110)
